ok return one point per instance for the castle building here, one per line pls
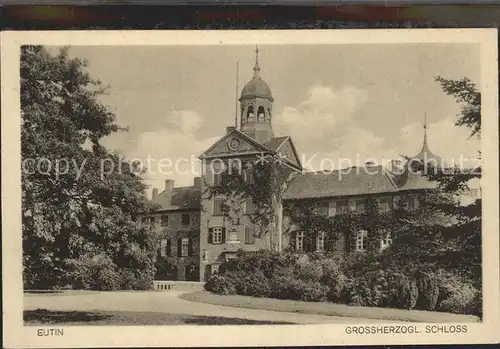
(198, 233)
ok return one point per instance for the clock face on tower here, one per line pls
(234, 144)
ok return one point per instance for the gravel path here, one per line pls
(169, 302)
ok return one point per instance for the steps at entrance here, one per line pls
(165, 285)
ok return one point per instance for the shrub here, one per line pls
(382, 288)
(220, 284)
(428, 291)
(405, 293)
(288, 288)
(457, 294)
(257, 285)
(312, 291)
(309, 271)
(284, 287)
(132, 280)
(476, 306)
(262, 260)
(334, 279)
(97, 273)
(337, 288)
(105, 278)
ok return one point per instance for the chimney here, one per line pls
(169, 185)
(197, 182)
(230, 129)
(155, 192)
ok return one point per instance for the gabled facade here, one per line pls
(198, 234)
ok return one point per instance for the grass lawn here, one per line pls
(324, 308)
(114, 318)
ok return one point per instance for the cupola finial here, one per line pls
(256, 68)
(425, 131)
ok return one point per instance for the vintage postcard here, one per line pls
(250, 188)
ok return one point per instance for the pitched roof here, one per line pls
(249, 139)
(178, 199)
(353, 181)
(274, 143)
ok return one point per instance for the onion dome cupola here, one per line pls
(426, 155)
(256, 105)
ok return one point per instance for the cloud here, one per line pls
(187, 121)
(327, 135)
(172, 151)
(320, 113)
(444, 138)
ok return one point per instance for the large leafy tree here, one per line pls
(79, 201)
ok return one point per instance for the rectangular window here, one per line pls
(360, 206)
(343, 207)
(146, 220)
(217, 209)
(332, 209)
(386, 241)
(385, 204)
(361, 240)
(320, 242)
(163, 247)
(185, 219)
(214, 268)
(217, 179)
(411, 203)
(185, 247)
(249, 236)
(299, 243)
(152, 221)
(322, 209)
(164, 220)
(217, 233)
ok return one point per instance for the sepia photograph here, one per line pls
(255, 182)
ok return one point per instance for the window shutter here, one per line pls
(190, 247)
(249, 175)
(169, 247)
(249, 236)
(217, 207)
(293, 240)
(310, 243)
(351, 241)
(179, 247)
(249, 207)
(223, 240)
(328, 242)
(210, 235)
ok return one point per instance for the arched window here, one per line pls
(268, 114)
(250, 113)
(261, 114)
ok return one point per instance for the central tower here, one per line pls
(256, 106)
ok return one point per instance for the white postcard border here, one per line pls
(16, 335)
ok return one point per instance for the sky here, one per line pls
(342, 103)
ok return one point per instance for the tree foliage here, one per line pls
(459, 243)
(79, 201)
(260, 182)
